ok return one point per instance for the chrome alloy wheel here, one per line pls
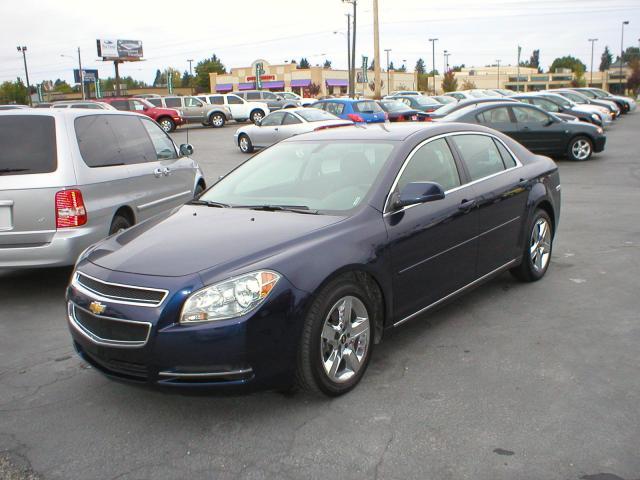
(540, 246)
(244, 143)
(581, 149)
(217, 121)
(166, 125)
(345, 339)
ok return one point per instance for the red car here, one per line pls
(167, 118)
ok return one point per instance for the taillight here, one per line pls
(355, 117)
(70, 211)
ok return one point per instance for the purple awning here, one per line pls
(332, 82)
(273, 84)
(246, 86)
(224, 87)
(300, 83)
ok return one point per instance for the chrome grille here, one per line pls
(129, 294)
(109, 331)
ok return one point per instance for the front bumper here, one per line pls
(257, 350)
(599, 143)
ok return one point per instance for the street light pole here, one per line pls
(498, 62)
(349, 51)
(81, 75)
(444, 65)
(376, 52)
(26, 72)
(352, 73)
(433, 62)
(626, 22)
(592, 40)
(388, 78)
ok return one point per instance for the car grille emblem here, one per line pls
(97, 308)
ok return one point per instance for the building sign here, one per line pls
(129, 50)
(264, 78)
(259, 72)
(365, 65)
(90, 76)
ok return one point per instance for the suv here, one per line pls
(240, 109)
(167, 118)
(71, 177)
(82, 104)
(273, 100)
(194, 110)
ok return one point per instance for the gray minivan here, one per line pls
(69, 178)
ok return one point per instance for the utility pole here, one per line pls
(518, 74)
(116, 66)
(498, 62)
(433, 62)
(190, 60)
(349, 51)
(626, 22)
(352, 72)
(388, 78)
(81, 75)
(592, 40)
(376, 52)
(26, 72)
(446, 60)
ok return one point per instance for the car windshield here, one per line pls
(576, 97)
(588, 93)
(323, 176)
(315, 115)
(421, 100)
(559, 99)
(598, 93)
(477, 94)
(395, 106)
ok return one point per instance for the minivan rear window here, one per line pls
(27, 144)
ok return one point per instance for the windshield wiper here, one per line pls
(209, 203)
(280, 208)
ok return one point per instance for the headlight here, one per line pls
(595, 117)
(230, 298)
(600, 131)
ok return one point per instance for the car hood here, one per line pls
(193, 238)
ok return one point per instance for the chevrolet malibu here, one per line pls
(289, 270)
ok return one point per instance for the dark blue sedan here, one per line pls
(359, 111)
(292, 267)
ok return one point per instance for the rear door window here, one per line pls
(494, 116)
(480, 155)
(155, 101)
(290, 119)
(233, 100)
(120, 104)
(367, 107)
(335, 108)
(164, 147)
(253, 96)
(110, 140)
(216, 100)
(27, 144)
(173, 102)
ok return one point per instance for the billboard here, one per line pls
(90, 76)
(127, 50)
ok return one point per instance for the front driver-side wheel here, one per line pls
(244, 142)
(217, 120)
(537, 249)
(256, 116)
(580, 149)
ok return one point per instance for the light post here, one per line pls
(352, 73)
(80, 72)
(592, 40)
(23, 50)
(446, 60)
(498, 62)
(388, 74)
(626, 22)
(433, 62)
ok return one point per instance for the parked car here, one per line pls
(273, 99)
(421, 102)
(70, 177)
(558, 107)
(539, 131)
(398, 111)
(581, 99)
(284, 124)
(324, 243)
(94, 105)
(240, 109)
(359, 111)
(304, 101)
(443, 99)
(404, 93)
(193, 110)
(455, 106)
(503, 92)
(167, 118)
(13, 107)
(625, 104)
(604, 116)
(469, 94)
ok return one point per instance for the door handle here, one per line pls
(166, 171)
(467, 205)
(157, 172)
(276, 129)
(525, 129)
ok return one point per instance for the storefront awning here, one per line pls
(332, 82)
(273, 84)
(224, 87)
(246, 86)
(300, 83)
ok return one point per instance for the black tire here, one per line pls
(256, 115)
(118, 224)
(527, 271)
(167, 124)
(311, 375)
(580, 149)
(199, 189)
(217, 120)
(244, 143)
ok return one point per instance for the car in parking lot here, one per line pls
(539, 131)
(13, 107)
(241, 110)
(398, 111)
(95, 105)
(581, 99)
(625, 104)
(274, 100)
(167, 118)
(324, 243)
(284, 124)
(603, 116)
(304, 101)
(70, 177)
(356, 110)
(420, 102)
(194, 110)
(470, 94)
(455, 106)
(559, 107)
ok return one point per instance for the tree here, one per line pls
(419, 68)
(14, 92)
(579, 80)
(458, 68)
(204, 68)
(534, 60)
(468, 84)
(327, 64)
(158, 80)
(403, 68)
(572, 63)
(62, 86)
(304, 63)
(449, 82)
(186, 79)
(605, 60)
(633, 82)
(631, 54)
(314, 89)
(391, 67)
(425, 82)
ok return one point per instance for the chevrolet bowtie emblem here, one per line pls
(97, 308)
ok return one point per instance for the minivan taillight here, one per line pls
(70, 211)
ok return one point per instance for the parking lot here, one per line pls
(513, 381)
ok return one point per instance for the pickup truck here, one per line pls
(241, 110)
(194, 110)
(167, 118)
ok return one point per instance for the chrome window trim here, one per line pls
(92, 337)
(120, 300)
(460, 187)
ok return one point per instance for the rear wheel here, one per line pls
(167, 124)
(537, 250)
(256, 116)
(216, 120)
(244, 142)
(580, 149)
(119, 224)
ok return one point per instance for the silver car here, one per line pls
(71, 177)
(284, 124)
(194, 110)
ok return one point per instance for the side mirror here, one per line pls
(418, 192)
(186, 149)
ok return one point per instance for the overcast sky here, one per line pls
(477, 32)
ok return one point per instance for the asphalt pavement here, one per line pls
(512, 381)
